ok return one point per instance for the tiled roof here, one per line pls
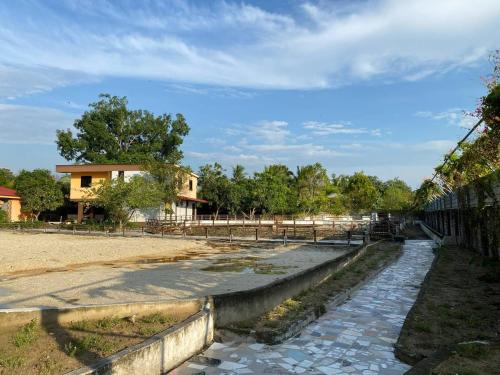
(6, 192)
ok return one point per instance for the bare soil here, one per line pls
(459, 303)
(33, 349)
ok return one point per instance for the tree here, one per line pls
(361, 192)
(111, 133)
(170, 179)
(215, 187)
(311, 184)
(396, 196)
(274, 183)
(122, 199)
(39, 191)
(7, 178)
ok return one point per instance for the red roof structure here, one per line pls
(6, 192)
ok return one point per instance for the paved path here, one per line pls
(355, 338)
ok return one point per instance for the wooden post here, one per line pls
(230, 234)
(256, 234)
(162, 231)
(348, 237)
(314, 235)
(213, 221)
(294, 228)
(284, 237)
(123, 231)
(142, 231)
(74, 230)
(243, 221)
(206, 232)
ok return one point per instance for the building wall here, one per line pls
(12, 207)
(79, 193)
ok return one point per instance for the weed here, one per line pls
(422, 327)
(71, 349)
(147, 331)
(49, 366)
(28, 334)
(156, 318)
(95, 343)
(473, 350)
(108, 322)
(81, 325)
(11, 361)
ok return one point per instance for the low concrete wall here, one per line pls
(248, 304)
(433, 235)
(55, 316)
(162, 352)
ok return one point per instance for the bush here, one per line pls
(3, 217)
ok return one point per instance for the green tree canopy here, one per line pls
(39, 191)
(361, 192)
(7, 178)
(122, 199)
(312, 183)
(396, 196)
(215, 187)
(109, 132)
(275, 185)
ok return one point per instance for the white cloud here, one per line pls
(454, 117)
(22, 124)
(323, 128)
(239, 45)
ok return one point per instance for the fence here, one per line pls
(470, 216)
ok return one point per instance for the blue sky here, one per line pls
(378, 86)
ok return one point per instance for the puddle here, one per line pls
(247, 265)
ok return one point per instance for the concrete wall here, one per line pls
(162, 352)
(248, 304)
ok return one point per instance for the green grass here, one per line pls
(11, 362)
(422, 327)
(91, 343)
(157, 318)
(473, 350)
(108, 322)
(27, 334)
(81, 325)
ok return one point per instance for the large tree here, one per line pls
(215, 187)
(361, 192)
(39, 191)
(109, 132)
(396, 196)
(312, 184)
(275, 183)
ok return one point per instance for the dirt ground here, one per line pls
(64, 270)
(33, 349)
(28, 251)
(459, 303)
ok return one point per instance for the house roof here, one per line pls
(70, 168)
(184, 198)
(9, 193)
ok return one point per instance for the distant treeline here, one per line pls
(278, 190)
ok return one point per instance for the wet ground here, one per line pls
(355, 338)
(189, 275)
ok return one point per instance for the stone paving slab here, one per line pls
(357, 337)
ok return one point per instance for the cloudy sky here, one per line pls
(379, 85)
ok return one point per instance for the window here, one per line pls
(121, 174)
(86, 181)
(190, 185)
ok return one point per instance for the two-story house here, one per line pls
(86, 176)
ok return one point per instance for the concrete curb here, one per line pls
(335, 301)
(162, 352)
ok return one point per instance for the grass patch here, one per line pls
(11, 362)
(27, 335)
(473, 350)
(246, 264)
(157, 318)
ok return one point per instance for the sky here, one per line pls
(379, 86)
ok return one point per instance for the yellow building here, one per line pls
(11, 203)
(86, 176)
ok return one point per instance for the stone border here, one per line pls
(248, 304)
(162, 352)
(432, 234)
(57, 316)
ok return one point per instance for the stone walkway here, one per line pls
(355, 338)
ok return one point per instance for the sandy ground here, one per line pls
(116, 282)
(27, 251)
